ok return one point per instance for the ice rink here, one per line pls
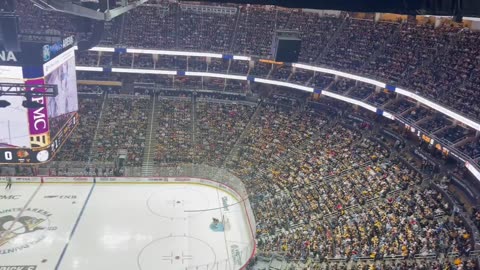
(121, 226)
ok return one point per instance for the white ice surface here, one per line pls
(128, 227)
(55, 215)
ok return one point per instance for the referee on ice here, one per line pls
(9, 183)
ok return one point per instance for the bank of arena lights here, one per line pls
(382, 85)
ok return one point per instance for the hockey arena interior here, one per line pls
(208, 136)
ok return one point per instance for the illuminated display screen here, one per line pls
(14, 131)
(64, 76)
(61, 108)
(29, 136)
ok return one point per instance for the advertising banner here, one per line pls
(19, 179)
(37, 118)
(157, 179)
(60, 179)
(35, 53)
(8, 58)
(50, 51)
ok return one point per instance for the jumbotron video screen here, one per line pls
(15, 127)
(67, 99)
(34, 135)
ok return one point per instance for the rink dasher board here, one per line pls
(123, 180)
(21, 180)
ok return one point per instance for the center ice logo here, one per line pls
(18, 233)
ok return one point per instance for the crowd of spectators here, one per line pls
(425, 118)
(218, 125)
(355, 41)
(213, 121)
(216, 84)
(281, 73)
(98, 89)
(436, 123)
(284, 73)
(77, 147)
(261, 69)
(123, 126)
(399, 106)
(310, 197)
(472, 149)
(411, 223)
(418, 113)
(36, 21)
(380, 98)
(407, 49)
(152, 22)
(173, 132)
(361, 91)
(454, 134)
(429, 59)
(237, 86)
(301, 76)
(443, 264)
(341, 86)
(319, 189)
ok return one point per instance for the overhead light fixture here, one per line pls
(4, 103)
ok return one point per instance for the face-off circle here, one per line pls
(176, 252)
(172, 205)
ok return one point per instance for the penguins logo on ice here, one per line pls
(21, 233)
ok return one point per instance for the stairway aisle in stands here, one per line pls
(97, 140)
(230, 49)
(194, 120)
(441, 51)
(331, 41)
(149, 153)
(96, 129)
(235, 148)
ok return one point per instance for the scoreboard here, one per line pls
(20, 155)
(35, 135)
(10, 155)
(23, 156)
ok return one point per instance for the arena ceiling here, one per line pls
(411, 7)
